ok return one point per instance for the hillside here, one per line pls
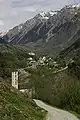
(12, 57)
(60, 89)
(72, 56)
(15, 106)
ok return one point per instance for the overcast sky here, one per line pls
(14, 12)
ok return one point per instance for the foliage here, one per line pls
(15, 106)
(60, 89)
(12, 57)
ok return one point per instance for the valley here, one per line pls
(45, 53)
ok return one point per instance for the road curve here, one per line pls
(54, 113)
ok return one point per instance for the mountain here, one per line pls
(2, 41)
(72, 50)
(48, 32)
(72, 57)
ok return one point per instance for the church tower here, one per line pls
(15, 79)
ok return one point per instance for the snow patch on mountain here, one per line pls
(76, 6)
(75, 13)
(20, 27)
(3, 33)
(53, 13)
(47, 15)
(44, 15)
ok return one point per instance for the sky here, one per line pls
(14, 12)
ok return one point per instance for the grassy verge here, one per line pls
(76, 114)
(15, 106)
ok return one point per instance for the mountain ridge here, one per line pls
(53, 29)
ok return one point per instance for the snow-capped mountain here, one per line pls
(3, 33)
(47, 15)
(55, 30)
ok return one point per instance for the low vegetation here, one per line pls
(12, 57)
(15, 106)
(60, 89)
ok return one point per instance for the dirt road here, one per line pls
(54, 113)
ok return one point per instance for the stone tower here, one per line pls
(15, 79)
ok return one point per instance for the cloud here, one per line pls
(23, 3)
(30, 9)
(14, 12)
(1, 23)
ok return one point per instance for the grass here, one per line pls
(76, 114)
(15, 106)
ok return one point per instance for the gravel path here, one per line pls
(54, 113)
